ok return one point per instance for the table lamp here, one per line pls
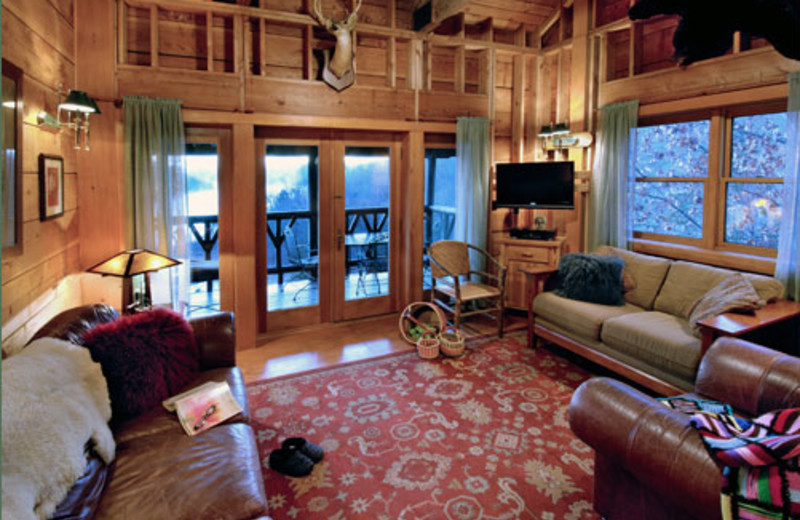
(127, 265)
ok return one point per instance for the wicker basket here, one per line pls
(427, 316)
(428, 346)
(451, 342)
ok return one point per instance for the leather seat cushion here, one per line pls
(662, 340)
(84, 496)
(158, 420)
(213, 475)
(582, 318)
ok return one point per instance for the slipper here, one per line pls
(291, 463)
(307, 448)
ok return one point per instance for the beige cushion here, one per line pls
(582, 318)
(687, 282)
(734, 293)
(470, 291)
(663, 340)
(647, 272)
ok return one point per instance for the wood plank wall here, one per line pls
(41, 280)
(584, 58)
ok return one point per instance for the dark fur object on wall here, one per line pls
(707, 26)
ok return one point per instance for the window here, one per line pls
(440, 201)
(714, 182)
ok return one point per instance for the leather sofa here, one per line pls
(648, 340)
(159, 471)
(649, 461)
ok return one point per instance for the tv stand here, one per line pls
(533, 234)
(517, 254)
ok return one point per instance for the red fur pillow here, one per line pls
(145, 357)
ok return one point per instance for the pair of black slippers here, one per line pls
(296, 457)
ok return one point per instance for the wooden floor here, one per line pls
(334, 344)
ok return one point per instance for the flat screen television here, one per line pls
(536, 185)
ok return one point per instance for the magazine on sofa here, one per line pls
(204, 406)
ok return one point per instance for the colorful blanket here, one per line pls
(761, 478)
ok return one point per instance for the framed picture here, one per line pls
(51, 186)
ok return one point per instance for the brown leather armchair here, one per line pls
(649, 462)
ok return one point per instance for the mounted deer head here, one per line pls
(340, 65)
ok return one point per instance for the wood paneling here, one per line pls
(38, 281)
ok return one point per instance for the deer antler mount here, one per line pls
(338, 70)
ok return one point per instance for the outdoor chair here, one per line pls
(454, 287)
(301, 260)
(374, 260)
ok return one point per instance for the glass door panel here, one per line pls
(292, 195)
(440, 202)
(367, 193)
(202, 167)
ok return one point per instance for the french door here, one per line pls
(330, 227)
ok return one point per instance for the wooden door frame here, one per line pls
(222, 138)
(275, 320)
(360, 308)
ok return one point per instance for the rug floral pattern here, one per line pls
(481, 437)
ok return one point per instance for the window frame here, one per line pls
(715, 185)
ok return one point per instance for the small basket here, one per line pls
(428, 346)
(451, 342)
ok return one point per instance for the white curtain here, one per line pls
(611, 179)
(787, 268)
(472, 182)
(156, 196)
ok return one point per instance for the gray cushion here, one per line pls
(664, 340)
(582, 318)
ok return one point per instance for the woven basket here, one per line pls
(451, 342)
(427, 316)
(428, 346)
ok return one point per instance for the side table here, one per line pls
(732, 324)
(535, 276)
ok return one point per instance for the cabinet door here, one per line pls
(515, 286)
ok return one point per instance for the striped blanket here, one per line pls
(761, 478)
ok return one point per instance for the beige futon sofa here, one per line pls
(647, 340)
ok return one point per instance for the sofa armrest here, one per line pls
(654, 443)
(216, 340)
(751, 378)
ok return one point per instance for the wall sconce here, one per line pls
(558, 136)
(72, 113)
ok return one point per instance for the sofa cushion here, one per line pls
(582, 318)
(591, 278)
(687, 282)
(648, 273)
(214, 475)
(662, 340)
(146, 358)
(158, 420)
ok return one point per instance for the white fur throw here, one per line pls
(55, 400)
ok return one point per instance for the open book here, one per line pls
(204, 406)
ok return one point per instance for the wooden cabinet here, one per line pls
(516, 253)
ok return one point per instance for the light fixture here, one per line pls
(129, 264)
(558, 136)
(73, 113)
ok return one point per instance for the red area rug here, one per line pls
(484, 436)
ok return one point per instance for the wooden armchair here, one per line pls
(449, 263)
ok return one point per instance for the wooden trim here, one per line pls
(154, 36)
(713, 217)
(634, 374)
(212, 117)
(122, 32)
(210, 41)
(736, 97)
